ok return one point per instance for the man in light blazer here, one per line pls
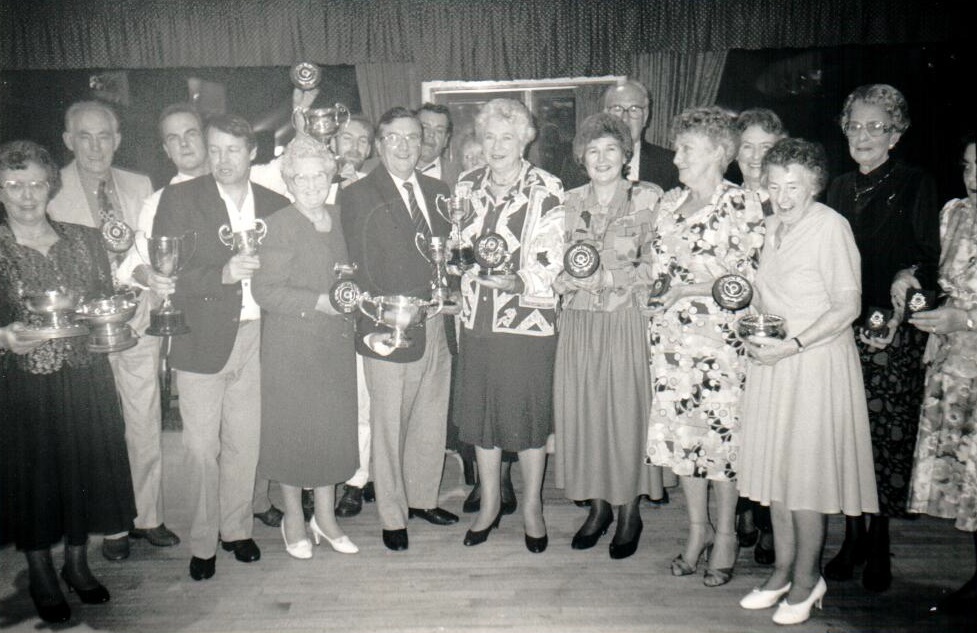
(382, 215)
(89, 183)
(217, 366)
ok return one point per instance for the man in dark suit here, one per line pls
(383, 213)
(216, 364)
(436, 124)
(629, 102)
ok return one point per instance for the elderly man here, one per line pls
(436, 124)
(383, 213)
(93, 193)
(218, 374)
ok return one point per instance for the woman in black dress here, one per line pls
(64, 470)
(894, 213)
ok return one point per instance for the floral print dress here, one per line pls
(944, 479)
(697, 360)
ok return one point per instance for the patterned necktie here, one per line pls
(420, 224)
(106, 210)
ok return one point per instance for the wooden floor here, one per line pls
(439, 585)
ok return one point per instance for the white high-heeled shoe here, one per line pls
(800, 612)
(341, 544)
(301, 550)
(763, 598)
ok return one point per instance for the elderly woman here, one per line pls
(602, 385)
(308, 370)
(504, 392)
(706, 229)
(944, 479)
(894, 214)
(64, 470)
(806, 452)
(759, 129)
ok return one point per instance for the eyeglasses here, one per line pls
(17, 187)
(633, 111)
(394, 139)
(872, 128)
(310, 180)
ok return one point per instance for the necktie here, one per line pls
(106, 210)
(420, 224)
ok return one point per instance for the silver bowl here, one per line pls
(50, 301)
(763, 326)
(117, 309)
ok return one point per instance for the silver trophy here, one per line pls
(167, 256)
(108, 322)
(457, 210)
(321, 123)
(244, 242)
(433, 250)
(400, 314)
(763, 326)
(53, 315)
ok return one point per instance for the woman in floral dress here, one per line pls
(944, 479)
(706, 229)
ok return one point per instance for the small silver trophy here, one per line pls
(167, 256)
(763, 326)
(244, 242)
(435, 253)
(457, 210)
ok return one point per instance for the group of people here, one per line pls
(628, 372)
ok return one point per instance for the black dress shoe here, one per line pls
(351, 502)
(477, 537)
(437, 516)
(202, 568)
(51, 612)
(369, 492)
(95, 595)
(474, 500)
(245, 550)
(395, 540)
(308, 504)
(272, 517)
(582, 503)
(661, 501)
(509, 502)
(115, 548)
(877, 575)
(583, 540)
(623, 550)
(537, 545)
(160, 536)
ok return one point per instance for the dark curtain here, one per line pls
(446, 39)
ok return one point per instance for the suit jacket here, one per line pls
(212, 309)
(71, 205)
(380, 239)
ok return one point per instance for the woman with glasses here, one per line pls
(705, 230)
(64, 469)
(503, 399)
(308, 370)
(893, 211)
(944, 480)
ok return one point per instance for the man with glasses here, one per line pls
(387, 216)
(217, 365)
(94, 193)
(436, 125)
(629, 102)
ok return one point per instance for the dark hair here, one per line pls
(365, 122)
(967, 139)
(17, 154)
(603, 125)
(234, 125)
(884, 96)
(391, 115)
(177, 108)
(715, 123)
(436, 108)
(797, 151)
(763, 118)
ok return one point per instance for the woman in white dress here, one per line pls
(806, 449)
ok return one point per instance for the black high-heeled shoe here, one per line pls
(477, 537)
(96, 595)
(54, 613)
(583, 540)
(537, 545)
(623, 550)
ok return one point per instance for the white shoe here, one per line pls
(800, 612)
(341, 544)
(763, 598)
(301, 550)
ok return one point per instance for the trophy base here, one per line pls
(166, 324)
(398, 341)
(110, 337)
(462, 258)
(491, 273)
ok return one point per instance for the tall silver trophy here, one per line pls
(167, 256)
(457, 210)
(244, 242)
(434, 251)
